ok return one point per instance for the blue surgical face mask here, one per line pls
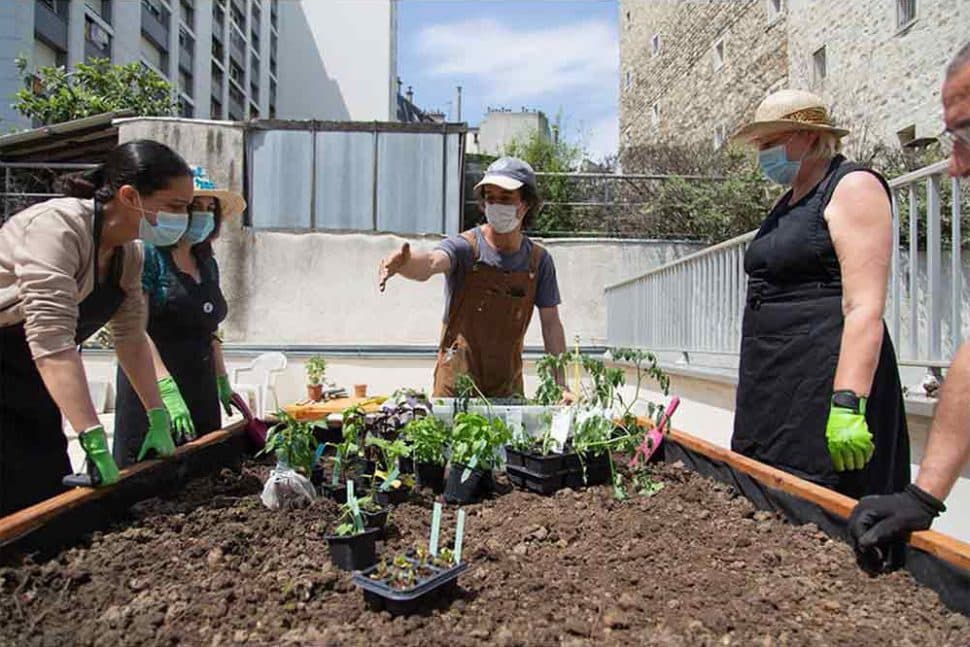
(776, 166)
(167, 230)
(201, 226)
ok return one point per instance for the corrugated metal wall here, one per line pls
(356, 177)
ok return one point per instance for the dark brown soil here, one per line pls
(694, 565)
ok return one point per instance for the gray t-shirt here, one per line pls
(460, 253)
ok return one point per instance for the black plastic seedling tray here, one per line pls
(381, 596)
(535, 482)
(478, 485)
(547, 465)
(431, 476)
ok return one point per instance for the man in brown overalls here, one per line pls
(495, 276)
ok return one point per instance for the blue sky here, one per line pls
(559, 56)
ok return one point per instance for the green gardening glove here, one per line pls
(158, 438)
(846, 432)
(179, 413)
(95, 445)
(225, 393)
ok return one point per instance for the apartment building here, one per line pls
(226, 59)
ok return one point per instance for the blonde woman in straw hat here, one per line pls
(185, 307)
(819, 392)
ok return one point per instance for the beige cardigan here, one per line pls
(47, 267)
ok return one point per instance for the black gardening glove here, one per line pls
(879, 522)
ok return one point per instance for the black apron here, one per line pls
(182, 322)
(33, 448)
(790, 342)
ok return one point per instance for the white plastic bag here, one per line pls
(285, 487)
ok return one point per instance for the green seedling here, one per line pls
(388, 454)
(351, 522)
(476, 441)
(316, 369)
(292, 442)
(427, 437)
(352, 433)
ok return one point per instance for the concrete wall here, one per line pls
(694, 98)
(880, 80)
(337, 60)
(499, 129)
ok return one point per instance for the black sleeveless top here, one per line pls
(790, 343)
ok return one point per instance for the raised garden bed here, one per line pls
(693, 564)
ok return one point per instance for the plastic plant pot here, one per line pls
(354, 552)
(514, 457)
(405, 465)
(547, 465)
(328, 435)
(376, 520)
(431, 475)
(534, 482)
(380, 595)
(336, 492)
(316, 476)
(468, 491)
(393, 496)
(597, 473)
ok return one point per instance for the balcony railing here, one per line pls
(694, 305)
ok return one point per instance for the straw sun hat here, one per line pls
(789, 110)
(231, 204)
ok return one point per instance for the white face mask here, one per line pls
(503, 218)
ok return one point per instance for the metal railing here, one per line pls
(695, 304)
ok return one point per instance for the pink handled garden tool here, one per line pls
(653, 437)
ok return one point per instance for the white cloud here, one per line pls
(513, 64)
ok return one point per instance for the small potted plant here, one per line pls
(316, 369)
(428, 437)
(375, 515)
(353, 546)
(475, 444)
(347, 454)
(392, 487)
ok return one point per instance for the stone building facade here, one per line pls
(696, 71)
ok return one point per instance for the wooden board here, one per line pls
(942, 546)
(58, 520)
(320, 410)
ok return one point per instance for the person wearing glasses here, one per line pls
(880, 521)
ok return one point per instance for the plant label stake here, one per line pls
(562, 421)
(459, 534)
(435, 530)
(350, 489)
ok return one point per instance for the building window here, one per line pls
(100, 7)
(720, 136)
(216, 109)
(188, 13)
(775, 7)
(819, 66)
(98, 39)
(655, 45)
(905, 13)
(719, 54)
(628, 80)
(153, 55)
(47, 56)
(655, 114)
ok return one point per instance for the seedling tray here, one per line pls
(535, 482)
(392, 496)
(380, 596)
(546, 465)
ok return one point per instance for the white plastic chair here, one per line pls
(261, 382)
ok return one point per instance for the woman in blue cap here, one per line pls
(185, 308)
(495, 276)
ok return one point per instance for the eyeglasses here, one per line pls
(950, 137)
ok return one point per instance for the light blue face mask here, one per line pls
(200, 227)
(776, 166)
(167, 230)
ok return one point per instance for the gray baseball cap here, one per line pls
(509, 173)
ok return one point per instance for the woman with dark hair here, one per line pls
(68, 266)
(496, 275)
(185, 308)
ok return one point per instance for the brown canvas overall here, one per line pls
(485, 331)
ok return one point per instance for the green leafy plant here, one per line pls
(351, 521)
(292, 441)
(55, 94)
(549, 370)
(352, 433)
(388, 453)
(316, 369)
(427, 437)
(477, 439)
